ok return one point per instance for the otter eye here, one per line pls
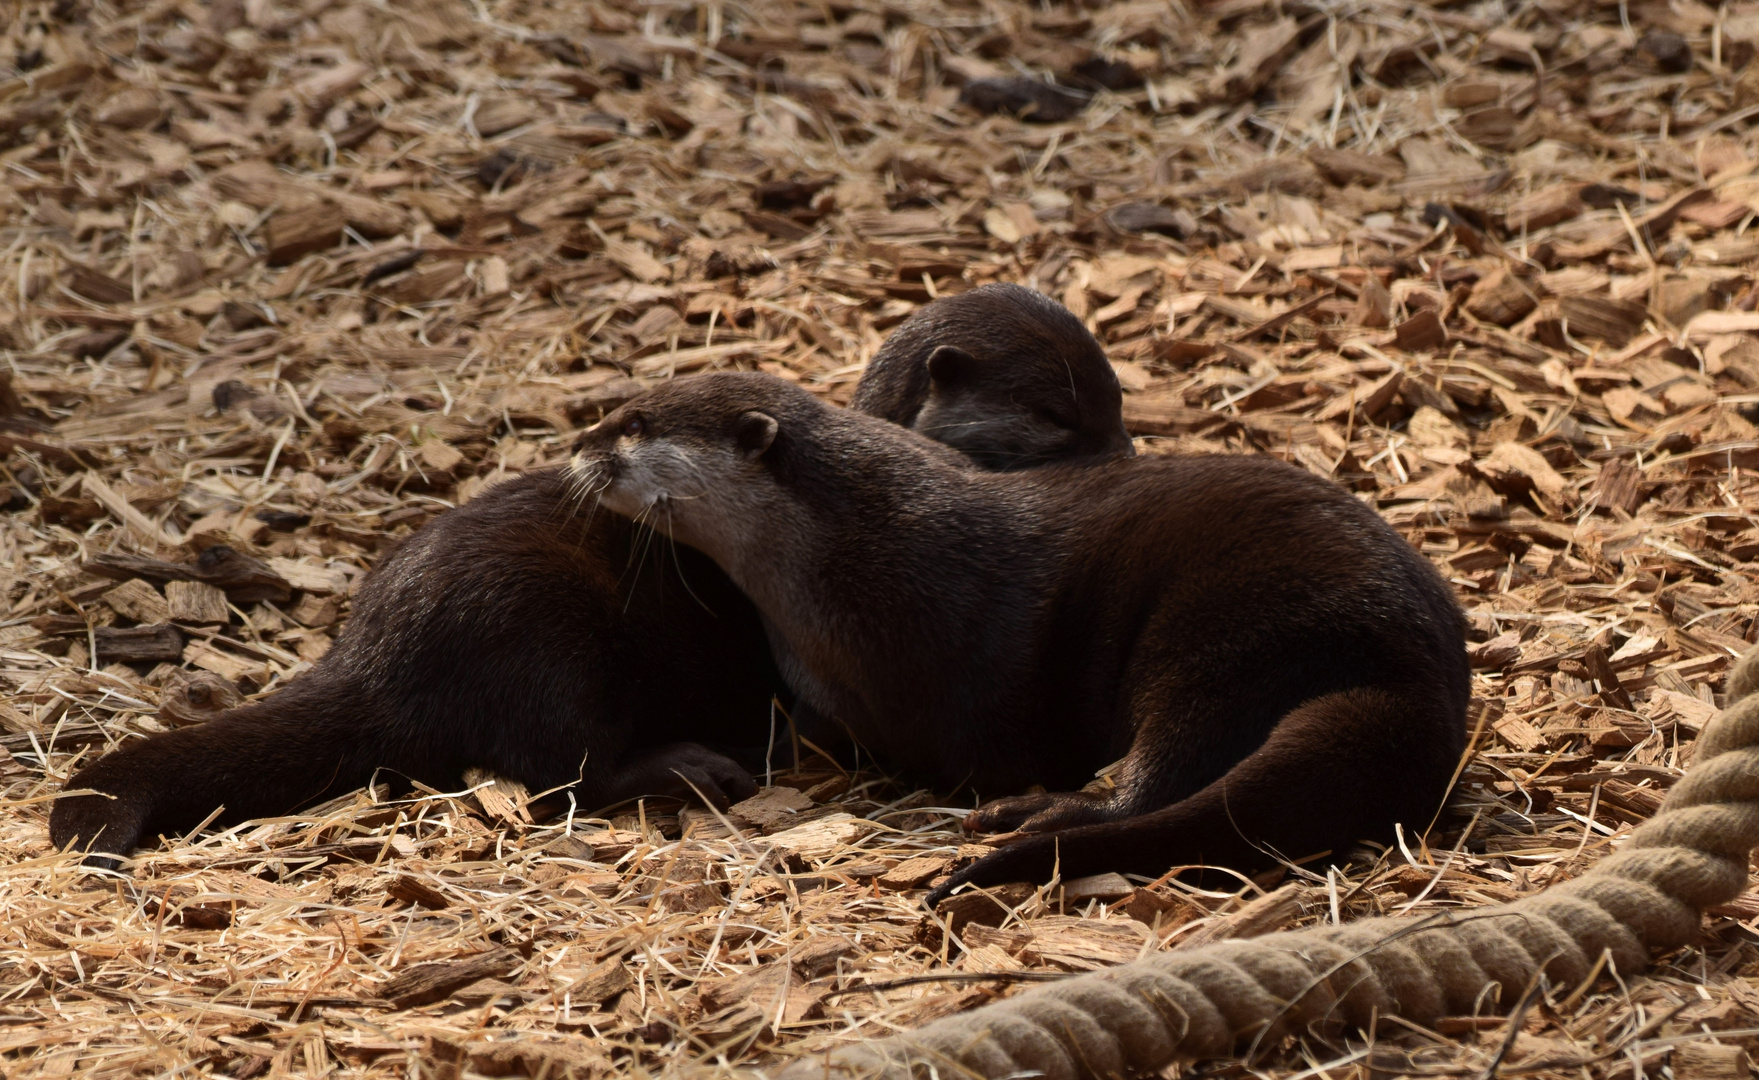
(633, 427)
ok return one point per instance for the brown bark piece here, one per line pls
(1633, 407)
(912, 873)
(1519, 734)
(1606, 680)
(1261, 56)
(197, 603)
(259, 184)
(193, 697)
(1151, 416)
(1422, 332)
(600, 982)
(314, 611)
(426, 983)
(131, 107)
(136, 645)
(1009, 941)
(989, 906)
(532, 1054)
(1543, 207)
(1677, 298)
(1612, 321)
(1494, 128)
(771, 810)
(1711, 1061)
(1105, 887)
(1619, 487)
(243, 577)
(137, 600)
(413, 890)
(1344, 167)
(1499, 652)
(1501, 298)
(1514, 466)
(1374, 304)
(97, 286)
(290, 235)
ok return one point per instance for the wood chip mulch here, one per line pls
(290, 277)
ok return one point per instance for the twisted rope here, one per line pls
(1209, 1001)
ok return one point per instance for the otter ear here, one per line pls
(755, 431)
(949, 364)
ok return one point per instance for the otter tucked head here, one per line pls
(1002, 373)
(689, 456)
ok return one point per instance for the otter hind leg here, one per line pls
(1341, 768)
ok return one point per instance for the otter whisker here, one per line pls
(673, 541)
(580, 489)
(639, 555)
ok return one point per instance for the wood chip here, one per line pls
(913, 873)
(426, 983)
(196, 603)
(137, 600)
(412, 890)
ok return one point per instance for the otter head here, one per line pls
(1008, 413)
(689, 457)
(1004, 374)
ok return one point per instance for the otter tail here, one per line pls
(1341, 768)
(269, 757)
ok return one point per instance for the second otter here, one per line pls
(1279, 671)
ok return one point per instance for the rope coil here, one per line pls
(1209, 1001)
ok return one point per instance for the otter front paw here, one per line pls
(1044, 812)
(686, 770)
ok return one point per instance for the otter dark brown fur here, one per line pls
(513, 634)
(1280, 673)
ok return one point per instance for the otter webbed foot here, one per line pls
(1033, 859)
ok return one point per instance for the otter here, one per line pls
(555, 647)
(1280, 673)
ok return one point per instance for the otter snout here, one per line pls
(611, 471)
(588, 466)
(593, 464)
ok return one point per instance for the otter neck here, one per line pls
(838, 573)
